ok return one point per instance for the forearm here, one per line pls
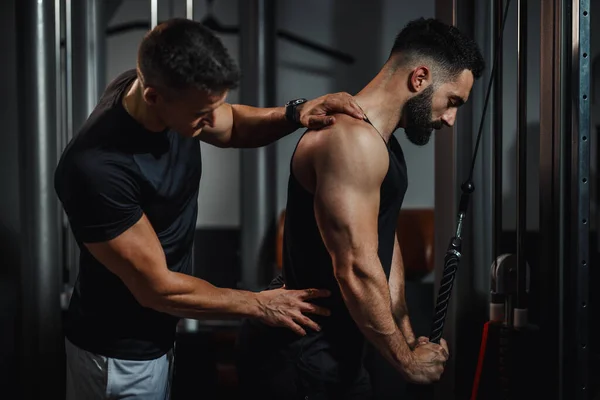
(402, 319)
(189, 297)
(400, 309)
(397, 286)
(368, 302)
(256, 127)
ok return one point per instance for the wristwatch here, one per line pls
(290, 110)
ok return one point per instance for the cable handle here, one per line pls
(451, 262)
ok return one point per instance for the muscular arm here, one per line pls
(137, 258)
(398, 295)
(244, 126)
(101, 195)
(349, 173)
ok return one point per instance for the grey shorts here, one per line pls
(94, 377)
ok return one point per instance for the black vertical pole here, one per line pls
(40, 347)
(580, 190)
(520, 312)
(553, 66)
(497, 128)
(258, 180)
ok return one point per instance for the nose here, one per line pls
(449, 117)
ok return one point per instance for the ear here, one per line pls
(419, 79)
(151, 95)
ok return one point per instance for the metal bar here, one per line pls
(153, 13)
(258, 179)
(446, 194)
(497, 129)
(60, 122)
(69, 67)
(88, 57)
(40, 338)
(189, 9)
(521, 160)
(482, 202)
(561, 160)
(86, 78)
(580, 170)
(467, 318)
(58, 68)
(453, 158)
(71, 248)
(551, 233)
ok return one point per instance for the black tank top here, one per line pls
(335, 353)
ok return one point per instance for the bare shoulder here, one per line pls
(353, 141)
(348, 136)
(349, 148)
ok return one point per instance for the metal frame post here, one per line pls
(258, 179)
(89, 57)
(496, 120)
(453, 152)
(553, 74)
(85, 81)
(520, 308)
(580, 195)
(483, 200)
(40, 336)
(189, 9)
(153, 13)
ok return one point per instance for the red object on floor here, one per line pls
(478, 371)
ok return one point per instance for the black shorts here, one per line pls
(269, 371)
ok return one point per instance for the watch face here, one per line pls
(297, 101)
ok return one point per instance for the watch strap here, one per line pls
(290, 110)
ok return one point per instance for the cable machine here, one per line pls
(561, 333)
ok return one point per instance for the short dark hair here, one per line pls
(452, 50)
(181, 54)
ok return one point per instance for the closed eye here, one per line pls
(456, 102)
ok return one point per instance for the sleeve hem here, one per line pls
(96, 235)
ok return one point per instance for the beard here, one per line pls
(419, 125)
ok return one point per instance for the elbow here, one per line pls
(149, 298)
(152, 293)
(351, 271)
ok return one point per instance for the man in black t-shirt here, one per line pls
(129, 181)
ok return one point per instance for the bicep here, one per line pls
(136, 257)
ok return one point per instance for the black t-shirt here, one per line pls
(110, 174)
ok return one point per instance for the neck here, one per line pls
(382, 101)
(134, 104)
